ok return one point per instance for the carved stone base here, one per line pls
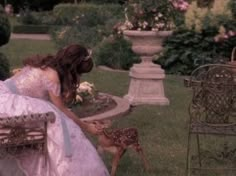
(146, 85)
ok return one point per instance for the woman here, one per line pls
(43, 85)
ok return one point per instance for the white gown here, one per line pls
(70, 152)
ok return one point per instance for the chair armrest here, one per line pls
(192, 83)
(30, 118)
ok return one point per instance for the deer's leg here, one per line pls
(139, 150)
(116, 159)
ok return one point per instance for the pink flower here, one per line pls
(226, 36)
(180, 4)
(216, 39)
(231, 33)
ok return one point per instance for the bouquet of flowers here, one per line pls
(85, 90)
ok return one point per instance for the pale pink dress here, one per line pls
(70, 152)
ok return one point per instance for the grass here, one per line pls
(162, 129)
(17, 50)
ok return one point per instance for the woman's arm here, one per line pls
(57, 101)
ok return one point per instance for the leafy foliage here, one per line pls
(5, 29)
(68, 14)
(185, 50)
(232, 6)
(86, 24)
(107, 1)
(199, 18)
(33, 4)
(4, 67)
(30, 29)
(208, 37)
(152, 14)
(27, 17)
(115, 52)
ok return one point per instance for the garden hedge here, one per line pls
(31, 29)
(86, 24)
(4, 67)
(5, 28)
(116, 53)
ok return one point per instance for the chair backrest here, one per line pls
(27, 119)
(213, 98)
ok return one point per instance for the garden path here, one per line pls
(31, 36)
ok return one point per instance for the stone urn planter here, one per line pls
(146, 84)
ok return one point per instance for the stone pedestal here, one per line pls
(146, 84)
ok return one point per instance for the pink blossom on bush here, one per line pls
(181, 5)
(225, 36)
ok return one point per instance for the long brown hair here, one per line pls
(70, 63)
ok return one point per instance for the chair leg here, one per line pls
(188, 169)
(198, 149)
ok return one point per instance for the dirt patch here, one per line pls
(90, 107)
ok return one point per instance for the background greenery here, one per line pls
(5, 32)
(115, 52)
(5, 28)
(87, 24)
(91, 24)
(194, 44)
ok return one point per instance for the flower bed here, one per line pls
(90, 102)
(100, 104)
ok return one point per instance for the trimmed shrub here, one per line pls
(45, 18)
(115, 52)
(30, 29)
(107, 1)
(83, 35)
(232, 6)
(27, 17)
(68, 14)
(5, 29)
(86, 24)
(4, 67)
(37, 18)
(36, 5)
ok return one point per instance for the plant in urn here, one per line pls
(148, 23)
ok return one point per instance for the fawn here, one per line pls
(117, 141)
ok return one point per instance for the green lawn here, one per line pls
(162, 129)
(17, 50)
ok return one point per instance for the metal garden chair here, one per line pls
(211, 113)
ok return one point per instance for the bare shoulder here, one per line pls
(51, 74)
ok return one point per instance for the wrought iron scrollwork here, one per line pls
(212, 112)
